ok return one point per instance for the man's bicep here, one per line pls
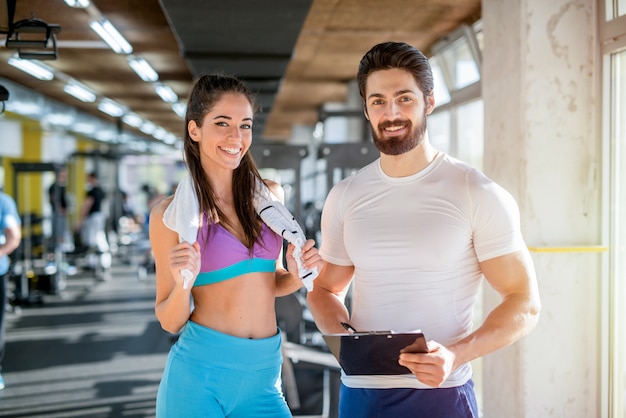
(334, 278)
(511, 273)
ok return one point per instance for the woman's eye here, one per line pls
(246, 126)
(221, 123)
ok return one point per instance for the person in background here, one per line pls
(227, 359)
(92, 223)
(58, 201)
(10, 238)
(415, 232)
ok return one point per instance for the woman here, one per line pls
(226, 362)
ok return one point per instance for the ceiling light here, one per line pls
(132, 119)
(34, 68)
(160, 133)
(78, 3)
(111, 108)
(111, 36)
(79, 91)
(170, 138)
(148, 127)
(179, 108)
(142, 68)
(165, 92)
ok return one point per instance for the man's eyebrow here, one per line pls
(405, 91)
(396, 94)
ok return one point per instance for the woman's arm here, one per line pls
(288, 281)
(173, 302)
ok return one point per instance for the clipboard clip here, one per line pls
(349, 327)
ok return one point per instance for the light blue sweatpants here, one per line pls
(211, 374)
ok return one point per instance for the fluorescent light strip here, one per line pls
(142, 68)
(170, 138)
(33, 68)
(165, 92)
(111, 108)
(148, 127)
(111, 36)
(78, 3)
(132, 119)
(159, 133)
(79, 91)
(179, 108)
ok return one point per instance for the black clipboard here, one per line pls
(374, 353)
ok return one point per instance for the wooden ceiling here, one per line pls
(296, 54)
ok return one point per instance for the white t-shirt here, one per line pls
(415, 243)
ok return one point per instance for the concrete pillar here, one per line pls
(542, 142)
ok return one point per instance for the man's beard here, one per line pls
(399, 145)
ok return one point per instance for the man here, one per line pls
(92, 224)
(10, 237)
(58, 201)
(418, 230)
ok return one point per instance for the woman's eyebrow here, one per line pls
(230, 118)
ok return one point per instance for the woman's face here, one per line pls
(226, 132)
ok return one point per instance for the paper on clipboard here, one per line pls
(374, 353)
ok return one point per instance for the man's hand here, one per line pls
(432, 368)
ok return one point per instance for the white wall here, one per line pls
(542, 142)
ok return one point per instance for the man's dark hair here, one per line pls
(389, 55)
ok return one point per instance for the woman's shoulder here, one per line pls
(276, 189)
(159, 208)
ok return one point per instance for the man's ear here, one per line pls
(430, 103)
(193, 130)
(365, 112)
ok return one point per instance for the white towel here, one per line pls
(183, 216)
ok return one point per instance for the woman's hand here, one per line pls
(310, 257)
(185, 256)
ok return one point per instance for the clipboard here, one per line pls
(374, 353)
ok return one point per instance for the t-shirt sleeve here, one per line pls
(10, 217)
(333, 249)
(495, 218)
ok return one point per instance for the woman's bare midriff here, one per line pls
(242, 307)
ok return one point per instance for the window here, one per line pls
(470, 133)
(617, 236)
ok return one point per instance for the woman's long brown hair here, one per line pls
(208, 90)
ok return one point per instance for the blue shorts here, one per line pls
(211, 374)
(457, 402)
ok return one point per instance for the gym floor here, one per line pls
(96, 350)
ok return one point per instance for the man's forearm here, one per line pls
(328, 310)
(511, 320)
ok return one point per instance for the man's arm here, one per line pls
(13, 236)
(326, 300)
(513, 277)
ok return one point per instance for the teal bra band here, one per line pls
(251, 265)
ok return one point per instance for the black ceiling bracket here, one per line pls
(34, 39)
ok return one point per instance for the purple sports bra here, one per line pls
(225, 257)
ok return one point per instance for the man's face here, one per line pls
(396, 110)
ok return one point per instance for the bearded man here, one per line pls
(415, 232)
